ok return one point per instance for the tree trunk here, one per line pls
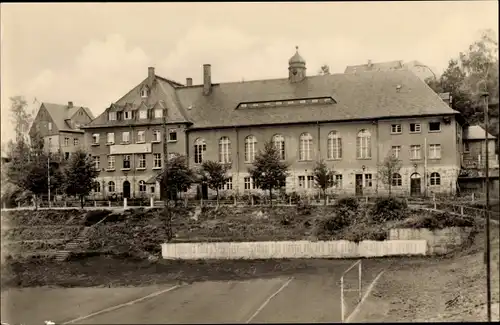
(324, 197)
(271, 196)
(35, 201)
(389, 189)
(217, 191)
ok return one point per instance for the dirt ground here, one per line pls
(450, 289)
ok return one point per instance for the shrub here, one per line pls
(94, 216)
(348, 208)
(389, 209)
(304, 208)
(439, 220)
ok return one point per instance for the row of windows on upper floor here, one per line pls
(416, 127)
(141, 137)
(141, 114)
(334, 148)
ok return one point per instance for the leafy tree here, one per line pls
(214, 174)
(268, 171)
(79, 175)
(390, 166)
(324, 70)
(323, 177)
(21, 117)
(176, 177)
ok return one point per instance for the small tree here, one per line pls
(324, 70)
(176, 177)
(214, 174)
(323, 177)
(268, 171)
(79, 175)
(390, 166)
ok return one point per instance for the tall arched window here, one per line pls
(111, 187)
(200, 146)
(435, 179)
(224, 150)
(397, 180)
(305, 149)
(334, 145)
(363, 145)
(142, 186)
(279, 144)
(250, 143)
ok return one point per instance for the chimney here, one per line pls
(151, 75)
(70, 104)
(207, 79)
(189, 82)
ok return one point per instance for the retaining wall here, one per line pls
(293, 249)
(439, 241)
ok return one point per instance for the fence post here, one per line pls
(366, 199)
(359, 281)
(95, 204)
(462, 210)
(342, 311)
(18, 204)
(251, 200)
(434, 200)
(109, 204)
(124, 202)
(290, 200)
(235, 202)
(472, 197)
(152, 202)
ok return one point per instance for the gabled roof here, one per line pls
(476, 132)
(378, 66)
(60, 113)
(367, 95)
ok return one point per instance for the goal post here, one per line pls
(358, 267)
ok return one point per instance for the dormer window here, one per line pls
(143, 114)
(158, 113)
(127, 115)
(144, 92)
(112, 116)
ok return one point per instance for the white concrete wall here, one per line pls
(293, 249)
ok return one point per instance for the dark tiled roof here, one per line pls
(358, 96)
(60, 113)
(378, 66)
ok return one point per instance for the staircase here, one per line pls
(62, 255)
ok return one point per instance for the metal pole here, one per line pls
(487, 211)
(165, 153)
(48, 174)
(342, 311)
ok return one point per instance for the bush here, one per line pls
(439, 220)
(304, 208)
(348, 208)
(358, 234)
(389, 209)
(94, 216)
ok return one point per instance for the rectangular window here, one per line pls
(466, 147)
(434, 126)
(66, 155)
(143, 114)
(141, 137)
(157, 160)
(396, 128)
(396, 151)
(111, 162)
(368, 180)
(50, 126)
(415, 128)
(199, 152)
(229, 183)
(310, 181)
(111, 138)
(95, 138)
(126, 137)
(172, 135)
(156, 136)
(126, 162)
(97, 161)
(252, 180)
(434, 151)
(247, 183)
(415, 152)
(76, 142)
(112, 116)
(127, 115)
(142, 160)
(158, 113)
(66, 142)
(338, 181)
(302, 181)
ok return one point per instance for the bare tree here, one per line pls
(390, 166)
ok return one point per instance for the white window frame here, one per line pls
(110, 138)
(144, 92)
(334, 144)
(417, 127)
(435, 179)
(157, 160)
(224, 150)
(396, 129)
(156, 136)
(368, 180)
(129, 162)
(112, 116)
(363, 145)
(111, 162)
(250, 146)
(247, 183)
(434, 151)
(142, 161)
(95, 138)
(305, 147)
(158, 113)
(66, 142)
(279, 144)
(415, 152)
(141, 136)
(338, 180)
(172, 131)
(126, 139)
(76, 142)
(143, 114)
(127, 115)
(142, 186)
(97, 162)
(229, 183)
(302, 181)
(111, 187)
(396, 180)
(49, 126)
(310, 181)
(200, 146)
(396, 151)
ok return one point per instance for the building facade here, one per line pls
(351, 121)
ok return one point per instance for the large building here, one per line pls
(60, 127)
(352, 121)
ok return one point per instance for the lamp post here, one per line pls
(484, 95)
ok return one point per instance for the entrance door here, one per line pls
(359, 184)
(126, 189)
(415, 188)
(204, 191)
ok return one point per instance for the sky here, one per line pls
(94, 53)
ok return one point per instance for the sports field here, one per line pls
(309, 296)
